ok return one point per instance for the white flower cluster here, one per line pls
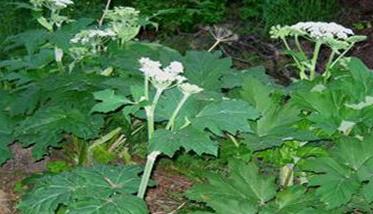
(313, 30)
(51, 4)
(125, 22)
(164, 78)
(85, 37)
(323, 29)
(62, 3)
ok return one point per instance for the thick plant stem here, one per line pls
(214, 45)
(326, 73)
(152, 157)
(177, 110)
(342, 55)
(146, 87)
(314, 60)
(150, 112)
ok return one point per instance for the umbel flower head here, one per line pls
(162, 78)
(51, 4)
(87, 36)
(323, 29)
(125, 22)
(313, 30)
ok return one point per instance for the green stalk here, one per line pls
(326, 74)
(150, 113)
(299, 46)
(147, 173)
(146, 87)
(171, 122)
(314, 60)
(101, 141)
(342, 55)
(302, 74)
(61, 68)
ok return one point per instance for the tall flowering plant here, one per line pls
(161, 79)
(330, 35)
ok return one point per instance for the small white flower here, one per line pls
(189, 89)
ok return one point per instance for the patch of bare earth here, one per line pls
(167, 197)
(21, 166)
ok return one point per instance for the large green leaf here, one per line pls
(294, 200)
(206, 69)
(244, 191)
(345, 98)
(118, 204)
(341, 175)
(46, 128)
(168, 142)
(227, 115)
(109, 101)
(101, 189)
(279, 117)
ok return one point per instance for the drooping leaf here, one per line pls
(101, 189)
(168, 142)
(46, 128)
(227, 115)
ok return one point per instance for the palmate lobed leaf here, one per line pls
(168, 142)
(279, 118)
(227, 115)
(109, 101)
(344, 173)
(206, 69)
(242, 192)
(246, 191)
(100, 189)
(46, 128)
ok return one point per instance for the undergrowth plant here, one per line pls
(90, 88)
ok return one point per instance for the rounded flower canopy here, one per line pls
(314, 30)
